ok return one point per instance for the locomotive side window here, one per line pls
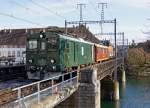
(32, 44)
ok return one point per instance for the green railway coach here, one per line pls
(52, 52)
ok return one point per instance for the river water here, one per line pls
(134, 94)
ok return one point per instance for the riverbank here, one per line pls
(139, 71)
(138, 60)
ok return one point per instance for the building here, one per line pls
(12, 53)
(12, 48)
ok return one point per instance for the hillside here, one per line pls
(145, 46)
(138, 59)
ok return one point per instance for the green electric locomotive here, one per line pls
(50, 52)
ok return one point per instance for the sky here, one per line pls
(131, 15)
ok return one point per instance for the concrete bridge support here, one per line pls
(116, 82)
(123, 74)
(107, 90)
(88, 93)
(89, 90)
(116, 90)
(110, 89)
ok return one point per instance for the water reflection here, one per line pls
(135, 93)
(123, 89)
(117, 104)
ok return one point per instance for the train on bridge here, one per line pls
(50, 52)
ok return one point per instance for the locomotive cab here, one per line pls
(41, 55)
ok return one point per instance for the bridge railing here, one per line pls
(50, 91)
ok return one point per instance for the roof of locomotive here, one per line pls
(102, 46)
(69, 37)
(64, 36)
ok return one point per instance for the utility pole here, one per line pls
(66, 27)
(81, 5)
(123, 52)
(115, 34)
(103, 5)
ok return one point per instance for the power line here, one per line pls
(26, 8)
(93, 6)
(43, 7)
(20, 19)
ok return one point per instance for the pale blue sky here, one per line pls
(130, 14)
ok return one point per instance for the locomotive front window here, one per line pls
(43, 46)
(32, 44)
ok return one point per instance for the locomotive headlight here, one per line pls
(32, 67)
(52, 61)
(41, 36)
(37, 68)
(54, 67)
(30, 61)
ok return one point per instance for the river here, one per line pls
(134, 94)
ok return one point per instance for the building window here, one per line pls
(13, 53)
(9, 53)
(18, 53)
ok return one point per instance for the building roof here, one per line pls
(18, 36)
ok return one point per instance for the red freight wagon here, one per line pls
(101, 53)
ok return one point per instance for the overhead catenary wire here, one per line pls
(26, 8)
(20, 19)
(94, 8)
(47, 9)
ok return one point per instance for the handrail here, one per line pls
(43, 80)
(45, 89)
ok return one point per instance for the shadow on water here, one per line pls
(135, 93)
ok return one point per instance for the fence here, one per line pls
(50, 91)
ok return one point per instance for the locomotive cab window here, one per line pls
(32, 44)
(43, 45)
